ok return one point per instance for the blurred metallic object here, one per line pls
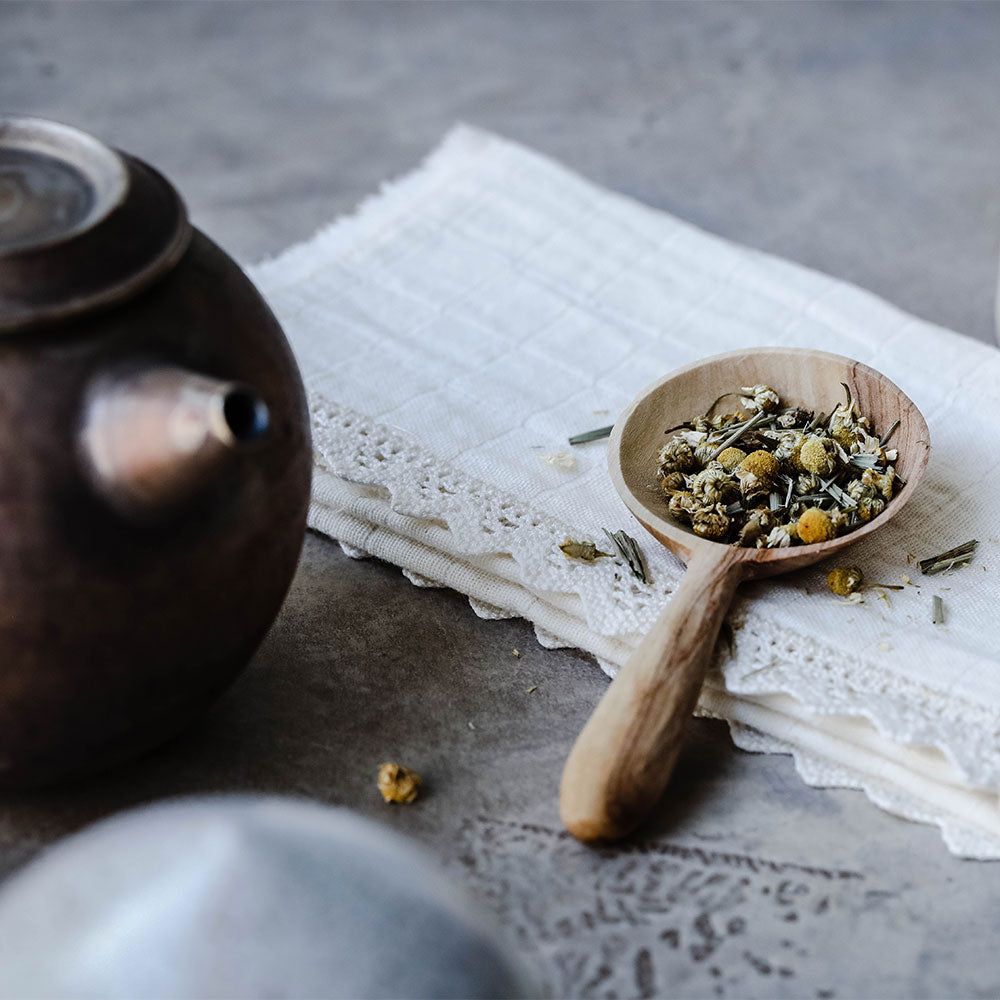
(244, 897)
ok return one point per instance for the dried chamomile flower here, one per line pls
(869, 503)
(858, 490)
(788, 444)
(703, 453)
(867, 444)
(672, 482)
(758, 524)
(714, 485)
(841, 520)
(710, 522)
(816, 455)
(869, 507)
(779, 538)
(814, 525)
(682, 505)
(773, 477)
(796, 417)
(845, 425)
(398, 783)
(677, 456)
(881, 481)
(759, 398)
(757, 472)
(845, 580)
(730, 458)
(806, 483)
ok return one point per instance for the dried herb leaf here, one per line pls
(594, 435)
(587, 551)
(753, 422)
(946, 560)
(937, 616)
(888, 434)
(628, 548)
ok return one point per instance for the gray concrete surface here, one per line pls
(860, 139)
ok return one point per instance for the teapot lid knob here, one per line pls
(81, 224)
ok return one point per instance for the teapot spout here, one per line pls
(154, 438)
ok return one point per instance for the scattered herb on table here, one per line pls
(628, 548)
(937, 613)
(562, 460)
(398, 783)
(844, 580)
(587, 551)
(594, 435)
(957, 556)
(847, 580)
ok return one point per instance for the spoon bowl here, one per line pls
(622, 760)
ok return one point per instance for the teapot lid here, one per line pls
(81, 225)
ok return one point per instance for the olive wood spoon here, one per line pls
(622, 760)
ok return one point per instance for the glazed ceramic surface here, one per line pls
(154, 458)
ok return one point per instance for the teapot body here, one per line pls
(117, 627)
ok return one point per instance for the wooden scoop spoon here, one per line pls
(622, 760)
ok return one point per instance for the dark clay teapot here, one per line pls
(154, 458)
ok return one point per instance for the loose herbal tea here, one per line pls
(398, 783)
(775, 475)
(958, 556)
(848, 580)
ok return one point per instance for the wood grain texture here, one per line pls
(622, 760)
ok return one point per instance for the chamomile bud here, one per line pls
(672, 482)
(682, 504)
(710, 522)
(760, 398)
(870, 507)
(757, 472)
(816, 455)
(814, 525)
(677, 456)
(781, 537)
(845, 580)
(730, 458)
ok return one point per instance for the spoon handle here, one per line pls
(622, 760)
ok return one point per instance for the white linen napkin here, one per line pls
(463, 323)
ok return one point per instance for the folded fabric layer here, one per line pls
(465, 322)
